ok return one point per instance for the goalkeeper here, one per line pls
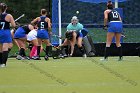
(74, 34)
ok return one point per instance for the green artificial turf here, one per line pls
(71, 75)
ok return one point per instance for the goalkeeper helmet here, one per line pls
(74, 20)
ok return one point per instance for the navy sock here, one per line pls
(38, 50)
(4, 57)
(9, 49)
(22, 52)
(0, 57)
(120, 52)
(48, 49)
(106, 52)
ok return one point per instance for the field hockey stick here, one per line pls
(105, 28)
(138, 48)
(17, 20)
(60, 37)
(13, 54)
(19, 17)
(17, 24)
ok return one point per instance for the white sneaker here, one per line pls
(2, 65)
(84, 55)
(103, 59)
(20, 57)
(70, 55)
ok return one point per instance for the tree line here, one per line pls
(31, 8)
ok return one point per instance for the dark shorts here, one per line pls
(84, 32)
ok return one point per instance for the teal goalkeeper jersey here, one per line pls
(76, 27)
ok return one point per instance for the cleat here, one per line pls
(103, 59)
(120, 59)
(65, 55)
(36, 58)
(27, 58)
(46, 58)
(70, 55)
(2, 65)
(19, 57)
(91, 54)
(33, 57)
(84, 56)
(61, 56)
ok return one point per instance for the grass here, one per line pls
(71, 75)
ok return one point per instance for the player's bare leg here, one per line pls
(118, 44)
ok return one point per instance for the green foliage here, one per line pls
(31, 8)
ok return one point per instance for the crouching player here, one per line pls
(74, 35)
(20, 36)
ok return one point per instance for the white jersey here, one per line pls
(32, 35)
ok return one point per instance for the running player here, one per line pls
(114, 21)
(44, 29)
(5, 34)
(20, 36)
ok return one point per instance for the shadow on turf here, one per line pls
(116, 74)
(45, 73)
(3, 92)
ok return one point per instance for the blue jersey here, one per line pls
(3, 23)
(113, 16)
(21, 32)
(5, 34)
(115, 24)
(42, 32)
(26, 28)
(42, 24)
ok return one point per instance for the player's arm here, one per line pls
(12, 21)
(34, 21)
(49, 24)
(120, 18)
(30, 27)
(105, 19)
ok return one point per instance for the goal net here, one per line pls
(91, 14)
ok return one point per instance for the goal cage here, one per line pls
(91, 14)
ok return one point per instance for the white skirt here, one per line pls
(32, 35)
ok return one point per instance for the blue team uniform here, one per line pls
(21, 32)
(5, 34)
(115, 25)
(42, 32)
